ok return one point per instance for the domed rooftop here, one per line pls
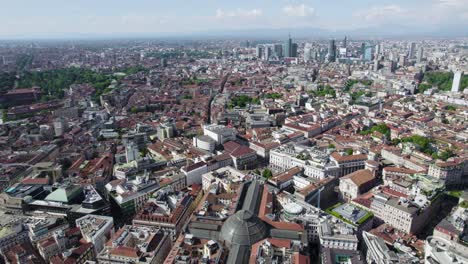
(243, 228)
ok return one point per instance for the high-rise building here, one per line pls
(419, 56)
(259, 51)
(363, 49)
(376, 64)
(367, 53)
(331, 56)
(308, 52)
(412, 50)
(278, 50)
(288, 47)
(457, 77)
(267, 53)
(344, 44)
(378, 48)
(294, 50)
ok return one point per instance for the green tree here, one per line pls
(446, 154)
(451, 108)
(442, 80)
(242, 101)
(267, 174)
(423, 143)
(324, 91)
(273, 95)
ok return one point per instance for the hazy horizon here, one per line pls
(25, 19)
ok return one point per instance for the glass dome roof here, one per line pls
(243, 228)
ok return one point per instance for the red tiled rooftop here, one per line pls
(124, 251)
(195, 166)
(339, 158)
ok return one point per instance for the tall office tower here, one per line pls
(288, 47)
(343, 45)
(392, 66)
(308, 52)
(367, 53)
(279, 50)
(363, 49)
(377, 50)
(419, 55)
(259, 51)
(376, 64)
(267, 52)
(331, 56)
(457, 81)
(294, 48)
(412, 50)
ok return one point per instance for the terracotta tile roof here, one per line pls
(287, 175)
(241, 151)
(447, 164)
(237, 150)
(363, 201)
(47, 242)
(339, 158)
(195, 166)
(399, 170)
(38, 181)
(124, 251)
(391, 192)
(360, 177)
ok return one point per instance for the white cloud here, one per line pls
(220, 13)
(299, 10)
(380, 13)
(452, 3)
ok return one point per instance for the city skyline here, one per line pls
(55, 19)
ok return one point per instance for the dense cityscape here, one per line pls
(292, 150)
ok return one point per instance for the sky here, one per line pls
(43, 18)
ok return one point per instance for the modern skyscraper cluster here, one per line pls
(269, 51)
(290, 48)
